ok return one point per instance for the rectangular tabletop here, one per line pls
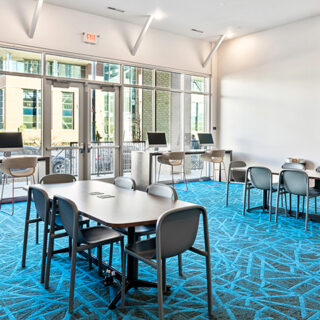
(124, 208)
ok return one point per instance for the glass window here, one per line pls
(196, 84)
(163, 79)
(31, 109)
(20, 61)
(109, 112)
(1, 108)
(138, 76)
(68, 67)
(137, 114)
(163, 105)
(67, 110)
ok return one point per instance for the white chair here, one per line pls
(214, 156)
(17, 167)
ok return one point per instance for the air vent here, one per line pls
(196, 30)
(116, 9)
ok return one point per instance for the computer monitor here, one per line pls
(157, 139)
(205, 138)
(11, 141)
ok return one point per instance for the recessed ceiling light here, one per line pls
(158, 15)
(196, 30)
(229, 35)
(116, 9)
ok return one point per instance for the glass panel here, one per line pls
(1, 109)
(163, 79)
(163, 105)
(138, 115)
(102, 133)
(20, 61)
(65, 129)
(68, 67)
(108, 72)
(176, 81)
(20, 110)
(138, 76)
(196, 84)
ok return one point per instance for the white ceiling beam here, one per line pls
(214, 49)
(141, 35)
(35, 18)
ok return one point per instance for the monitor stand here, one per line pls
(7, 154)
(156, 148)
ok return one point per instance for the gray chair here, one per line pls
(260, 178)
(82, 239)
(57, 178)
(173, 159)
(16, 168)
(235, 175)
(125, 183)
(176, 232)
(296, 182)
(283, 193)
(43, 206)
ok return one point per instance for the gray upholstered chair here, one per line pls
(297, 182)
(173, 159)
(82, 239)
(214, 157)
(283, 193)
(125, 183)
(260, 178)
(176, 232)
(234, 175)
(57, 178)
(43, 207)
(17, 167)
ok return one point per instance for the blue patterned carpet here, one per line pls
(260, 270)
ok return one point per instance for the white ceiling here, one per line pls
(214, 17)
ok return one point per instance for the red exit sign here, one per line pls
(90, 38)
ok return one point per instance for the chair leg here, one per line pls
(159, 172)
(298, 207)
(70, 247)
(99, 255)
(227, 192)
(123, 287)
(244, 198)
(3, 182)
(26, 232)
(160, 291)
(172, 177)
(12, 196)
(290, 202)
(277, 206)
(303, 204)
(307, 214)
(110, 254)
(285, 204)
(315, 205)
(180, 265)
(184, 176)
(270, 205)
(37, 229)
(248, 198)
(164, 275)
(44, 250)
(72, 275)
(90, 259)
(49, 256)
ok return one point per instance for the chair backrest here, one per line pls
(69, 216)
(295, 182)
(125, 183)
(317, 169)
(260, 177)
(237, 176)
(177, 229)
(216, 153)
(162, 190)
(175, 155)
(293, 165)
(19, 163)
(57, 178)
(41, 201)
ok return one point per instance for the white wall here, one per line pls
(61, 29)
(270, 94)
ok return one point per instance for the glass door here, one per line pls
(103, 133)
(65, 116)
